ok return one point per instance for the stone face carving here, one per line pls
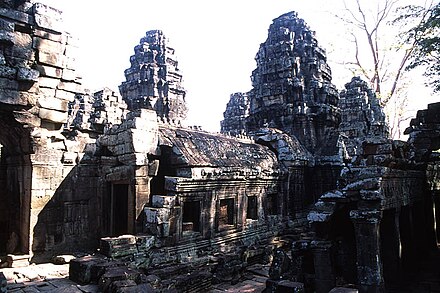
(154, 80)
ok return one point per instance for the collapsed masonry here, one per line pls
(309, 179)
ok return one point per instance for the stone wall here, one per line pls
(38, 79)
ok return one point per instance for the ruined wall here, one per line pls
(384, 200)
(49, 182)
(154, 80)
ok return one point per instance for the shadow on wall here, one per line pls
(71, 218)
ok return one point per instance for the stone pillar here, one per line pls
(369, 264)
(324, 274)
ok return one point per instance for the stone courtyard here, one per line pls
(302, 191)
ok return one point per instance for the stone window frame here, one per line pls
(234, 214)
(200, 224)
(255, 216)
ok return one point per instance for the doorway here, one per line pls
(119, 209)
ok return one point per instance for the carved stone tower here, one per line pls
(292, 88)
(154, 80)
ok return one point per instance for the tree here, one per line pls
(426, 40)
(378, 54)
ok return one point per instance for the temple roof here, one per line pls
(196, 149)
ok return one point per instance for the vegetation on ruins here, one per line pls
(424, 39)
(381, 56)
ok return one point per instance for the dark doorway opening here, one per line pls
(272, 204)
(119, 209)
(191, 216)
(252, 208)
(226, 213)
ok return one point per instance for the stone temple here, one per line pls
(303, 179)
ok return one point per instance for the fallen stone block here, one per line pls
(145, 243)
(284, 286)
(119, 246)
(117, 274)
(80, 269)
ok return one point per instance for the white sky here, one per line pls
(215, 42)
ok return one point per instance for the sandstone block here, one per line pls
(63, 95)
(48, 82)
(48, 46)
(370, 183)
(27, 74)
(7, 37)
(72, 87)
(51, 59)
(12, 97)
(56, 37)
(48, 17)
(133, 159)
(115, 247)
(53, 115)
(8, 72)
(69, 75)
(120, 173)
(16, 15)
(157, 215)
(49, 71)
(145, 243)
(7, 84)
(22, 40)
(28, 118)
(160, 201)
(80, 269)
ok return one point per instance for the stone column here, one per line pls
(370, 276)
(324, 274)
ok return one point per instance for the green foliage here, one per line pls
(425, 37)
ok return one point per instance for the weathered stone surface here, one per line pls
(80, 269)
(53, 115)
(26, 74)
(235, 115)
(292, 80)
(201, 202)
(154, 80)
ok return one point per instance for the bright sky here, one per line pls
(215, 42)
